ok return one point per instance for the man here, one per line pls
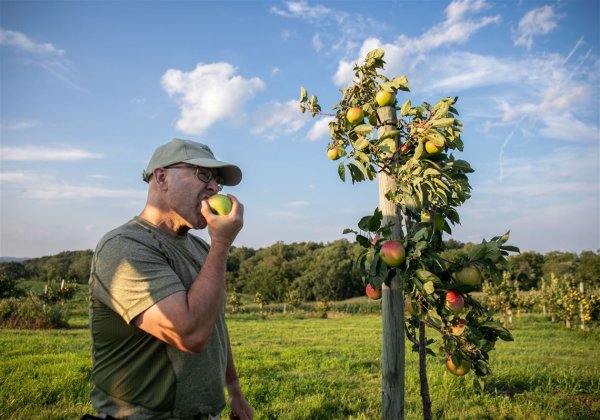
(160, 346)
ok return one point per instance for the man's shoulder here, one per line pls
(130, 231)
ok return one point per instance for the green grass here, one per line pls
(311, 368)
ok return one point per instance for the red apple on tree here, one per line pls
(392, 253)
(459, 327)
(468, 276)
(454, 301)
(372, 292)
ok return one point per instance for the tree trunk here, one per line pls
(392, 309)
(425, 397)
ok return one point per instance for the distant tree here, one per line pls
(562, 264)
(10, 272)
(588, 270)
(526, 269)
(330, 275)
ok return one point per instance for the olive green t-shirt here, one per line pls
(135, 375)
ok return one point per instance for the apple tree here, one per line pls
(410, 149)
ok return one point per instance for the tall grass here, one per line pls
(311, 368)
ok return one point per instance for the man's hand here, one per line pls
(240, 409)
(224, 229)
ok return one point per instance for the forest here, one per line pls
(311, 271)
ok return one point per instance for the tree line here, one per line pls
(310, 270)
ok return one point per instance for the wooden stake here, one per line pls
(393, 297)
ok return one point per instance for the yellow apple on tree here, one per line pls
(333, 153)
(220, 204)
(459, 370)
(354, 115)
(432, 148)
(385, 98)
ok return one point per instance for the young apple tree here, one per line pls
(411, 151)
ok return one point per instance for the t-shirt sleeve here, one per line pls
(129, 276)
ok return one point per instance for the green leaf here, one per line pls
(388, 145)
(400, 83)
(390, 134)
(438, 139)
(405, 108)
(342, 172)
(429, 288)
(303, 94)
(361, 143)
(363, 129)
(442, 122)
(348, 230)
(477, 252)
(363, 241)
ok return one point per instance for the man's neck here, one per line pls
(165, 221)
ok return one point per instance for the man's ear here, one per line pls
(160, 177)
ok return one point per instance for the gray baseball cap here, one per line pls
(192, 153)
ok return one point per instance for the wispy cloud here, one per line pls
(45, 186)
(43, 55)
(320, 129)
(42, 153)
(406, 52)
(22, 42)
(337, 30)
(279, 119)
(539, 21)
(207, 94)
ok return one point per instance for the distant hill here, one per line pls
(13, 259)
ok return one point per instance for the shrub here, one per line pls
(31, 313)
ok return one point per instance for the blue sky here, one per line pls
(89, 89)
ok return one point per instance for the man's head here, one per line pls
(191, 153)
(181, 175)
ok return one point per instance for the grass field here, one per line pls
(311, 368)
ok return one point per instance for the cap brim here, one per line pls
(231, 174)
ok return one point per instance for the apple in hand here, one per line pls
(220, 204)
(355, 115)
(454, 301)
(384, 98)
(392, 253)
(469, 276)
(372, 292)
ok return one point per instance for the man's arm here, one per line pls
(186, 320)
(240, 408)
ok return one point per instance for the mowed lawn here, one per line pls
(311, 368)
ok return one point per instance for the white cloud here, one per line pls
(279, 119)
(301, 9)
(21, 41)
(41, 153)
(538, 21)
(320, 129)
(207, 94)
(405, 53)
(566, 126)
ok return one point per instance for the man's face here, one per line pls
(187, 187)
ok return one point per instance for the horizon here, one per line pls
(84, 107)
